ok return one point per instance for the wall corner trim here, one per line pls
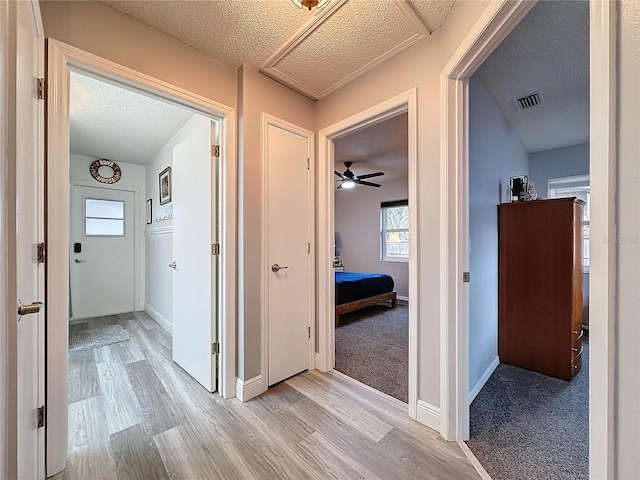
(483, 379)
(159, 318)
(248, 389)
(428, 415)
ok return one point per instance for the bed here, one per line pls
(359, 290)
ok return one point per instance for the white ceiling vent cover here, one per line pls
(532, 100)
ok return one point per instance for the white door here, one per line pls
(30, 231)
(101, 251)
(194, 288)
(288, 254)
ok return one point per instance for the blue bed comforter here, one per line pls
(352, 286)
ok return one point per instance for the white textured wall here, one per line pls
(357, 224)
(159, 235)
(418, 67)
(627, 403)
(495, 154)
(133, 178)
(557, 163)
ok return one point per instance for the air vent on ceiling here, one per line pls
(528, 101)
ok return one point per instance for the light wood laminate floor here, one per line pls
(134, 414)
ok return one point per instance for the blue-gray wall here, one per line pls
(495, 154)
(557, 163)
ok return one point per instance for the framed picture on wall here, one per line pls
(149, 217)
(165, 186)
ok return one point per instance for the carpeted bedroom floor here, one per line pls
(372, 346)
(524, 425)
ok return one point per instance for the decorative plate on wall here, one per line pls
(95, 167)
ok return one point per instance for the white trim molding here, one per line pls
(248, 389)
(403, 103)
(483, 379)
(159, 318)
(428, 415)
(603, 246)
(62, 58)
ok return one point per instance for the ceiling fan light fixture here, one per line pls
(310, 3)
(348, 183)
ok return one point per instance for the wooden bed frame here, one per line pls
(364, 302)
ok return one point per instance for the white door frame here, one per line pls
(267, 120)
(61, 59)
(493, 26)
(404, 103)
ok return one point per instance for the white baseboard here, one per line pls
(483, 379)
(247, 389)
(163, 322)
(428, 415)
(400, 297)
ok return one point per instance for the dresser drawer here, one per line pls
(576, 362)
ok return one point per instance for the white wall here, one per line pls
(357, 224)
(159, 234)
(627, 374)
(557, 163)
(495, 154)
(133, 178)
(418, 67)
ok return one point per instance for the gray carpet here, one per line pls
(525, 425)
(372, 346)
(96, 337)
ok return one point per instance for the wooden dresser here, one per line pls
(540, 286)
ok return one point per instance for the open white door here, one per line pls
(288, 150)
(194, 201)
(30, 231)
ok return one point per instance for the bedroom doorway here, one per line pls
(335, 173)
(371, 264)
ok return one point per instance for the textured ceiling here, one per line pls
(118, 124)
(380, 147)
(313, 52)
(547, 51)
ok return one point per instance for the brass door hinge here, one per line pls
(41, 252)
(215, 249)
(41, 89)
(215, 348)
(41, 416)
(215, 150)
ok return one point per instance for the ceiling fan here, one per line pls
(349, 180)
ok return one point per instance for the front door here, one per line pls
(289, 251)
(194, 199)
(102, 251)
(30, 231)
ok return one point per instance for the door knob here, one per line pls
(28, 309)
(77, 260)
(173, 265)
(275, 268)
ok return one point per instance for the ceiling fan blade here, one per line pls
(370, 175)
(339, 174)
(368, 184)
